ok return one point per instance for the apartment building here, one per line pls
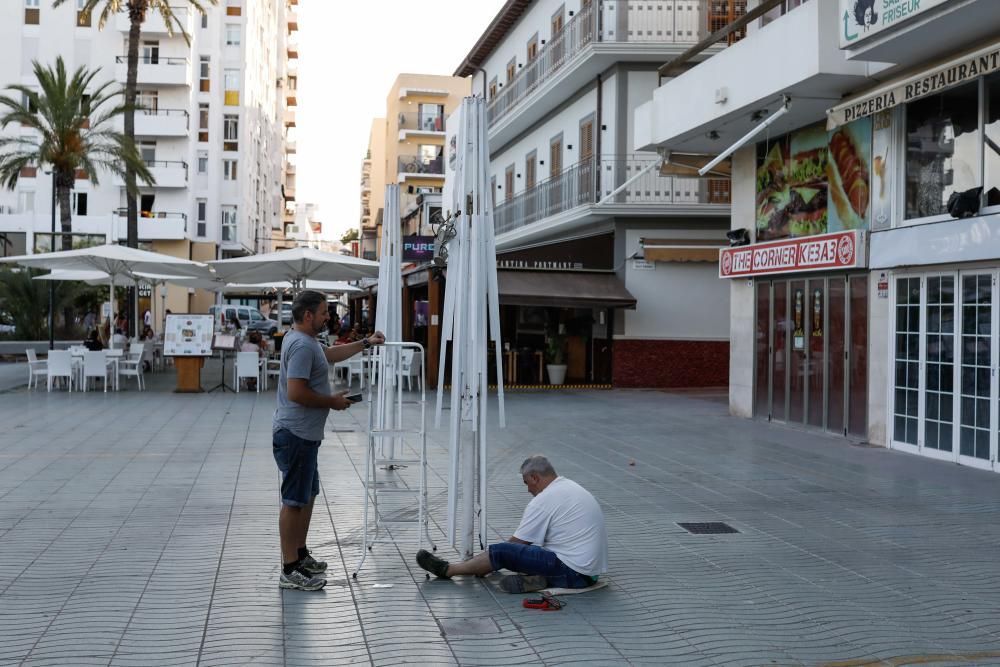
(865, 302)
(211, 128)
(562, 79)
(407, 147)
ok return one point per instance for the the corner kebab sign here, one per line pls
(840, 250)
(966, 68)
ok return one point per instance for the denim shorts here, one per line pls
(531, 559)
(296, 459)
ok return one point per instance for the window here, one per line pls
(991, 140)
(229, 170)
(508, 183)
(493, 191)
(82, 17)
(587, 139)
(147, 150)
(555, 156)
(530, 169)
(148, 100)
(202, 162)
(26, 201)
(79, 203)
(493, 88)
(432, 117)
(511, 70)
(233, 8)
(150, 53)
(942, 149)
(31, 11)
(231, 84)
(533, 47)
(201, 217)
(204, 21)
(204, 74)
(203, 122)
(146, 205)
(228, 224)
(233, 31)
(85, 106)
(30, 101)
(230, 133)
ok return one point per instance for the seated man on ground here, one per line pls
(561, 542)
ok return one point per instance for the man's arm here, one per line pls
(336, 353)
(516, 540)
(300, 392)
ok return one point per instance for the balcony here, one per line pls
(161, 123)
(289, 192)
(416, 124)
(157, 71)
(155, 25)
(582, 185)
(601, 34)
(292, 48)
(290, 146)
(153, 225)
(168, 174)
(414, 166)
(292, 18)
(289, 118)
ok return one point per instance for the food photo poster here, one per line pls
(814, 181)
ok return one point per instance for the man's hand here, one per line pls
(339, 401)
(377, 338)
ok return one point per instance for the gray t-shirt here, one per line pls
(302, 358)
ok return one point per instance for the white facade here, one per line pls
(929, 327)
(211, 129)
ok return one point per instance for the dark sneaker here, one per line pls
(301, 581)
(312, 566)
(436, 566)
(523, 583)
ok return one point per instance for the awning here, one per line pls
(682, 250)
(563, 289)
(958, 70)
(686, 165)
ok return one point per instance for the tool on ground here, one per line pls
(547, 602)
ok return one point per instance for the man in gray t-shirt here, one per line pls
(304, 400)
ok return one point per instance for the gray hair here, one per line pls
(538, 465)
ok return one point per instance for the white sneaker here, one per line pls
(300, 581)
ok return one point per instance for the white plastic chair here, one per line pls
(247, 367)
(131, 366)
(356, 366)
(96, 365)
(60, 365)
(36, 367)
(410, 367)
(272, 369)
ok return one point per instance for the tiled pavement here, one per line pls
(140, 529)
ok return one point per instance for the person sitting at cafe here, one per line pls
(253, 343)
(147, 334)
(345, 337)
(93, 342)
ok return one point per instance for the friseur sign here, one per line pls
(418, 248)
(825, 252)
(860, 19)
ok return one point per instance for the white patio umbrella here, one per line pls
(298, 266)
(328, 286)
(118, 262)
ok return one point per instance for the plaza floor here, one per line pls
(140, 529)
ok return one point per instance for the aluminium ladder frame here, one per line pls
(376, 437)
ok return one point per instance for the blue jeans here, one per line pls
(296, 459)
(531, 559)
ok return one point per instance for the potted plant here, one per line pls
(555, 357)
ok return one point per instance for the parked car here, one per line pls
(250, 318)
(286, 312)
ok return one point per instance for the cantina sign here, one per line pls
(841, 250)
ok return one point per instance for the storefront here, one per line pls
(811, 329)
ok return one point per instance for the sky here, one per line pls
(349, 55)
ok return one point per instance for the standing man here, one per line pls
(304, 401)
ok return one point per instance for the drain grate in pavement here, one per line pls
(708, 528)
(468, 626)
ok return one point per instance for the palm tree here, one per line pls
(73, 121)
(137, 10)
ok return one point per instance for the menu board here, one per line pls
(188, 336)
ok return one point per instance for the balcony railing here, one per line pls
(614, 21)
(153, 60)
(413, 164)
(580, 184)
(422, 122)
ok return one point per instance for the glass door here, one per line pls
(906, 363)
(939, 366)
(975, 425)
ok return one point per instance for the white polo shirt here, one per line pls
(566, 519)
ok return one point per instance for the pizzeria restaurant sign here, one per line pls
(826, 252)
(966, 68)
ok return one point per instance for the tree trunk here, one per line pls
(64, 182)
(137, 14)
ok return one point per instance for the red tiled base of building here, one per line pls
(670, 364)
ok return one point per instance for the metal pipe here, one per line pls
(745, 138)
(52, 284)
(641, 172)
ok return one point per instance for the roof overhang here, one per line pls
(498, 28)
(562, 288)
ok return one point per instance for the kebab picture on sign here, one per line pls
(801, 174)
